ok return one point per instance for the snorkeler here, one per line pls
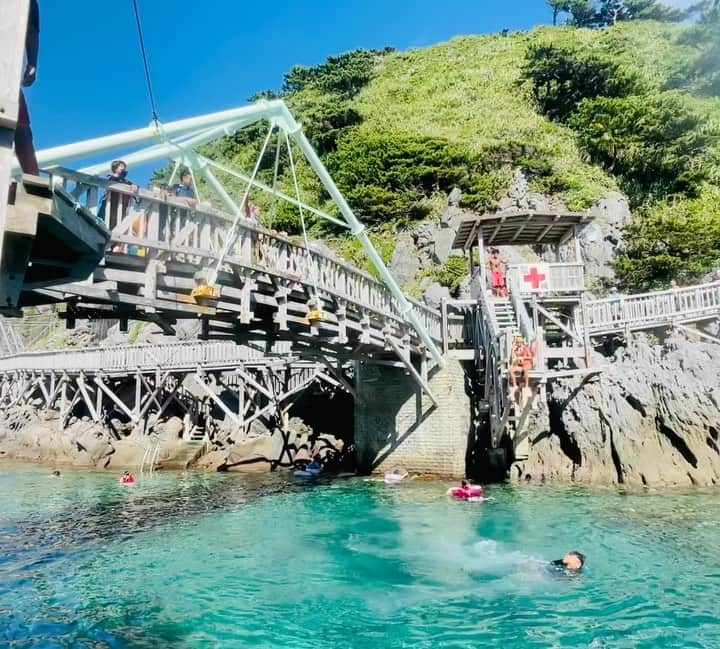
(571, 562)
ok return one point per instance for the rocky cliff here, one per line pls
(652, 418)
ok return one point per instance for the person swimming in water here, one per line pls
(56, 474)
(127, 478)
(395, 476)
(314, 466)
(572, 562)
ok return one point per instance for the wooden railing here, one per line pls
(143, 222)
(649, 310)
(129, 358)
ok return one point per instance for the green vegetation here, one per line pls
(674, 239)
(602, 13)
(451, 273)
(641, 109)
(632, 105)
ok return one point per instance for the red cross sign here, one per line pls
(534, 278)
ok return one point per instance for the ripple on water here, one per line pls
(205, 561)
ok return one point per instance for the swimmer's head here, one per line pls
(463, 483)
(56, 472)
(573, 561)
(126, 473)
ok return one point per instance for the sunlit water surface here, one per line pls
(228, 561)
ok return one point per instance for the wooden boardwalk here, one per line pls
(691, 305)
(203, 382)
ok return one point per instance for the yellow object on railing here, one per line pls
(316, 315)
(204, 292)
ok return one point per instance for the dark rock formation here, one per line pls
(653, 418)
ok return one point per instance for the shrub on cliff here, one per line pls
(675, 239)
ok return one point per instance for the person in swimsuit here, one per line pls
(497, 266)
(521, 362)
(395, 476)
(127, 478)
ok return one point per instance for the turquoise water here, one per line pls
(229, 561)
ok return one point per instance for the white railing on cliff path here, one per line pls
(649, 310)
(145, 221)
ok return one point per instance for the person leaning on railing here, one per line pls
(184, 189)
(252, 215)
(118, 174)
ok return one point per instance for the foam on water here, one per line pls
(223, 560)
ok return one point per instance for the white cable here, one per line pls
(230, 241)
(313, 270)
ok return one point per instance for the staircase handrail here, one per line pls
(525, 324)
(487, 313)
(493, 347)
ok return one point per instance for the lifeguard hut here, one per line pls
(545, 304)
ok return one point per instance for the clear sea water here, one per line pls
(188, 560)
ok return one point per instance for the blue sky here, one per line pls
(214, 54)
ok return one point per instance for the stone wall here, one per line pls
(396, 427)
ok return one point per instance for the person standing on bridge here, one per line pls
(24, 147)
(615, 303)
(118, 174)
(184, 189)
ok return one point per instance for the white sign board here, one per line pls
(534, 278)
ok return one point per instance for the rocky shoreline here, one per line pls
(31, 434)
(652, 418)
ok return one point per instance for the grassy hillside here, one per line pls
(582, 111)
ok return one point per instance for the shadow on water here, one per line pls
(117, 512)
(37, 549)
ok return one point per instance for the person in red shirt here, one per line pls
(127, 478)
(24, 147)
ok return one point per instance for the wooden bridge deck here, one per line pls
(158, 245)
(205, 382)
(124, 359)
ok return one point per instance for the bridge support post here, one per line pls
(391, 430)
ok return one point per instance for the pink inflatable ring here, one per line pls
(465, 493)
